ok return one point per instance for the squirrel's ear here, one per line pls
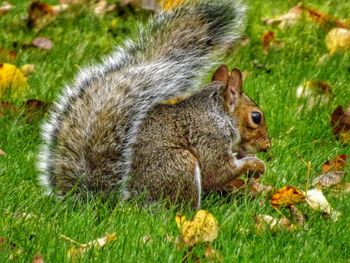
(221, 74)
(233, 88)
(235, 81)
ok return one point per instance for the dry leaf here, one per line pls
(5, 7)
(257, 188)
(212, 255)
(266, 222)
(267, 39)
(343, 187)
(38, 258)
(338, 39)
(328, 179)
(297, 215)
(287, 196)
(12, 81)
(102, 7)
(340, 122)
(7, 55)
(42, 43)
(324, 19)
(80, 249)
(315, 91)
(318, 202)
(27, 69)
(2, 152)
(336, 164)
(288, 19)
(203, 228)
(40, 14)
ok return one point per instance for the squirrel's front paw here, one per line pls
(251, 165)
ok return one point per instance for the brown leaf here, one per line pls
(340, 122)
(267, 39)
(2, 152)
(212, 255)
(266, 222)
(287, 196)
(33, 105)
(299, 216)
(324, 19)
(336, 164)
(328, 179)
(5, 7)
(258, 188)
(42, 43)
(102, 7)
(38, 258)
(7, 107)
(7, 55)
(338, 39)
(38, 12)
(288, 19)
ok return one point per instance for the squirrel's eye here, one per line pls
(256, 117)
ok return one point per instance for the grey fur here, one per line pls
(167, 59)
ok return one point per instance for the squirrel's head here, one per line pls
(248, 117)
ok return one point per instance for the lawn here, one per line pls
(32, 223)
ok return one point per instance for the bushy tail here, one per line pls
(167, 58)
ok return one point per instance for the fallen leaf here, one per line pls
(212, 255)
(27, 69)
(102, 7)
(315, 91)
(338, 39)
(336, 164)
(2, 152)
(203, 228)
(324, 19)
(340, 122)
(78, 250)
(257, 188)
(42, 43)
(7, 55)
(288, 19)
(12, 81)
(267, 39)
(267, 222)
(297, 215)
(38, 258)
(5, 7)
(287, 196)
(328, 179)
(317, 201)
(343, 187)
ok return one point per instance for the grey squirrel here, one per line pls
(108, 133)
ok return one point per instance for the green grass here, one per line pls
(299, 135)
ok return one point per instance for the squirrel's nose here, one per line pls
(266, 147)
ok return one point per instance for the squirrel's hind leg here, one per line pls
(172, 174)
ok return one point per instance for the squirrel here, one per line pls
(109, 134)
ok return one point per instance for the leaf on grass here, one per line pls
(288, 19)
(12, 81)
(27, 69)
(42, 43)
(40, 14)
(287, 196)
(203, 228)
(343, 187)
(7, 55)
(318, 202)
(328, 179)
(2, 152)
(38, 258)
(77, 251)
(257, 188)
(298, 216)
(338, 39)
(336, 164)
(5, 7)
(315, 91)
(102, 7)
(212, 255)
(324, 19)
(267, 222)
(340, 122)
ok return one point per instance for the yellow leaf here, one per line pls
(287, 196)
(338, 39)
(203, 228)
(12, 81)
(168, 5)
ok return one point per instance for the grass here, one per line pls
(299, 135)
